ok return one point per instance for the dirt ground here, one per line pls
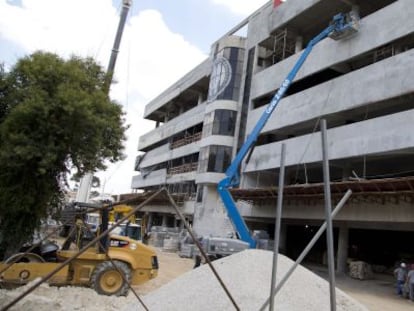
(170, 267)
(375, 294)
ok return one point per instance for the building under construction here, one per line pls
(362, 86)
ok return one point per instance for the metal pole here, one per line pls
(126, 4)
(277, 224)
(308, 247)
(328, 209)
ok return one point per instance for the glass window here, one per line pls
(219, 159)
(220, 122)
(214, 159)
(224, 122)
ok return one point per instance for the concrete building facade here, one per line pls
(362, 86)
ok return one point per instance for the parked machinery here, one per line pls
(108, 266)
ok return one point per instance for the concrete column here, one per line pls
(299, 44)
(200, 99)
(150, 219)
(182, 224)
(346, 172)
(282, 239)
(164, 220)
(342, 253)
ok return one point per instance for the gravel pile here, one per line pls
(47, 298)
(247, 275)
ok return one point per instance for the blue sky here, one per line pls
(162, 40)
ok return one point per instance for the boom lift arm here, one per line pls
(341, 26)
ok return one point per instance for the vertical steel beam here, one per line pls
(328, 209)
(277, 224)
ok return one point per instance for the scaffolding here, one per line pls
(378, 190)
(284, 45)
(184, 168)
(188, 139)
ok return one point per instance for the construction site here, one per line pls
(360, 85)
(279, 174)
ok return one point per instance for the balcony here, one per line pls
(186, 140)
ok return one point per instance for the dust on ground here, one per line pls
(170, 267)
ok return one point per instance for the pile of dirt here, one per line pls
(247, 276)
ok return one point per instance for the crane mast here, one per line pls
(85, 184)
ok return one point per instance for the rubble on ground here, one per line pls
(68, 298)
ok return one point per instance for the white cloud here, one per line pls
(151, 57)
(241, 7)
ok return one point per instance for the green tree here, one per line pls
(55, 118)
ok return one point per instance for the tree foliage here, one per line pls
(55, 117)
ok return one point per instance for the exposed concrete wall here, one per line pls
(376, 30)
(202, 70)
(265, 21)
(177, 178)
(221, 104)
(156, 155)
(154, 178)
(164, 153)
(386, 134)
(231, 41)
(209, 178)
(211, 217)
(217, 140)
(189, 118)
(386, 79)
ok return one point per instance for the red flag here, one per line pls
(276, 3)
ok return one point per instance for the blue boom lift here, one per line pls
(342, 25)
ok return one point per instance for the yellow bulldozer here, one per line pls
(108, 263)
